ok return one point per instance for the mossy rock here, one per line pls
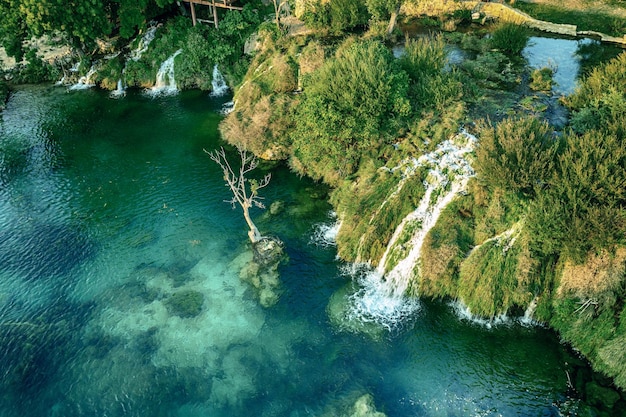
(185, 304)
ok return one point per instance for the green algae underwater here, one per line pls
(120, 288)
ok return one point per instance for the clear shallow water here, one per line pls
(568, 58)
(108, 207)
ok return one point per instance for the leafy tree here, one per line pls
(13, 28)
(82, 21)
(354, 103)
(383, 10)
(338, 15)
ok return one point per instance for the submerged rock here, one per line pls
(185, 304)
(259, 268)
(363, 407)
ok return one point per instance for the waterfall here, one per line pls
(165, 81)
(464, 313)
(144, 42)
(383, 297)
(120, 91)
(527, 319)
(85, 81)
(218, 84)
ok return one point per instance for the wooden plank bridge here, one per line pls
(213, 5)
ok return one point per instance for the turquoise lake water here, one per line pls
(110, 207)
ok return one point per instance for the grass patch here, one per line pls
(583, 19)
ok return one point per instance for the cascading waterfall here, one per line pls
(218, 85)
(120, 91)
(144, 42)
(383, 297)
(165, 80)
(85, 81)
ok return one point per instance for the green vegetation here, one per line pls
(584, 19)
(4, 92)
(355, 103)
(336, 16)
(510, 39)
(541, 79)
(543, 221)
(517, 155)
(87, 22)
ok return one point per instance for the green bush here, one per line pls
(354, 103)
(497, 276)
(36, 70)
(583, 207)
(510, 38)
(600, 100)
(337, 15)
(517, 155)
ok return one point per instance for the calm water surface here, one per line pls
(109, 207)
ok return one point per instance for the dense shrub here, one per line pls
(431, 87)
(354, 103)
(600, 100)
(583, 209)
(517, 155)
(337, 15)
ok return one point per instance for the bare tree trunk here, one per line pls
(394, 19)
(277, 6)
(245, 191)
(253, 233)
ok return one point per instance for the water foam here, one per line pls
(325, 234)
(85, 81)
(219, 87)
(383, 296)
(165, 84)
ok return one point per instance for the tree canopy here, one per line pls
(355, 102)
(80, 21)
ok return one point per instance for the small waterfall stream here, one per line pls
(383, 296)
(120, 91)
(218, 85)
(165, 80)
(144, 42)
(85, 81)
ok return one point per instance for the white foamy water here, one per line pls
(374, 303)
(325, 234)
(86, 81)
(144, 42)
(165, 80)
(383, 296)
(120, 91)
(219, 87)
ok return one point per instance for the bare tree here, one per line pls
(245, 191)
(278, 6)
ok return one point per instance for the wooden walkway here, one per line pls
(213, 5)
